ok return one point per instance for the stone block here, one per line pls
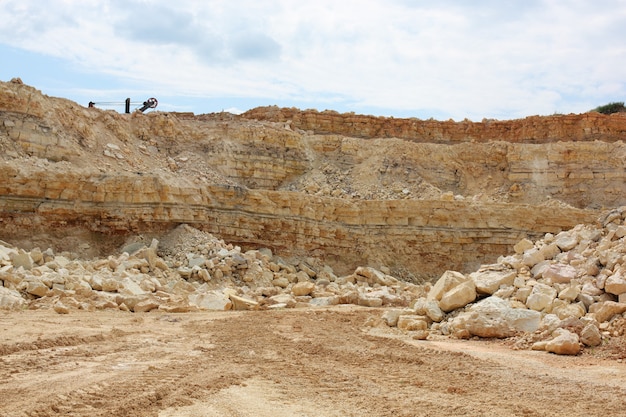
(446, 282)
(488, 281)
(590, 335)
(242, 303)
(565, 343)
(494, 317)
(281, 282)
(549, 251)
(21, 259)
(390, 316)
(324, 301)
(60, 308)
(566, 241)
(429, 308)
(128, 286)
(367, 301)
(146, 306)
(11, 299)
(615, 284)
(540, 297)
(37, 288)
(569, 293)
(560, 273)
(459, 296)
(567, 310)
(286, 299)
(522, 246)
(532, 257)
(302, 288)
(607, 309)
(412, 322)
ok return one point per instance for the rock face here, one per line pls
(534, 129)
(412, 197)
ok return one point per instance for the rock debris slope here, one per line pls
(562, 292)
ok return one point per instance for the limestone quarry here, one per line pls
(298, 262)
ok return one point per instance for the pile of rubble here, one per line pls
(560, 293)
(189, 271)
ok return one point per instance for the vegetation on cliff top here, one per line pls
(617, 107)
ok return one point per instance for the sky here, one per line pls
(440, 59)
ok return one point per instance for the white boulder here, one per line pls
(559, 273)
(494, 317)
(11, 299)
(565, 343)
(458, 297)
(540, 297)
(490, 278)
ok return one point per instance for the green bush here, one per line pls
(610, 108)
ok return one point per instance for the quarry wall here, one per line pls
(424, 237)
(532, 129)
(66, 168)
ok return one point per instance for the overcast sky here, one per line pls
(404, 58)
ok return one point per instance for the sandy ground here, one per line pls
(281, 363)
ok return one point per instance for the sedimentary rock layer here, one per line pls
(533, 129)
(419, 238)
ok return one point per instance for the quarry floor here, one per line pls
(314, 362)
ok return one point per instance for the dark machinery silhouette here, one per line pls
(150, 103)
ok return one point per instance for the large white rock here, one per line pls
(211, 300)
(559, 273)
(302, 288)
(569, 293)
(532, 257)
(22, 259)
(390, 316)
(242, 303)
(589, 288)
(590, 335)
(130, 287)
(287, 299)
(608, 309)
(11, 299)
(565, 343)
(549, 251)
(566, 241)
(412, 322)
(325, 301)
(5, 253)
(494, 317)
(37, 288)
(429, 308)
(489, 278)
(445, 283)
(567, 310)
(458, 297)
(615, 284)
(146, 305)
(367, 300)
(540, 297)
(374, 276)
(522, 246)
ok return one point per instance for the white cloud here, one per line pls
(453, 58)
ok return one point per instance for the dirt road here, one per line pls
(281, 363)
